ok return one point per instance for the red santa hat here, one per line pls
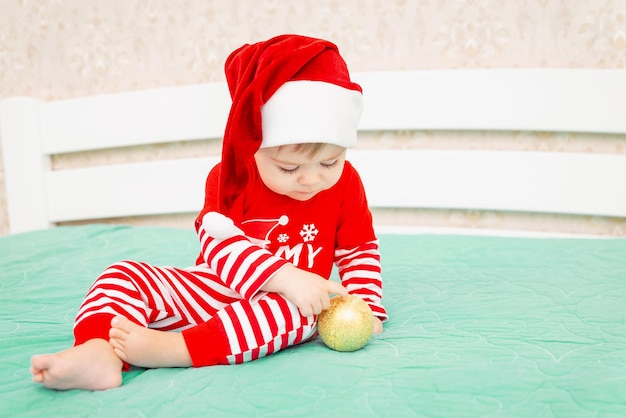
(287, 90)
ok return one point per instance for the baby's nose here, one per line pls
(309, 178)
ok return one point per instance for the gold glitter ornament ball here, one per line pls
(347, 325)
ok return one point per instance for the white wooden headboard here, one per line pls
(550, 100)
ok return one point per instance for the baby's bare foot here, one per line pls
(146, 347)
(92, 366)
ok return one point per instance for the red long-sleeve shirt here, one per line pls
(334, 227)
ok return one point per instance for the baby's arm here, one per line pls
(242, 265)
(360, 272)
(249, 269)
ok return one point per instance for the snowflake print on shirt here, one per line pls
(301, 254)
(308, 232)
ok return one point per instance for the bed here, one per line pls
(483, 323)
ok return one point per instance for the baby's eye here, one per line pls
(288, 170)
(329, 164)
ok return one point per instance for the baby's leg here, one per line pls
(145, 301)
(142, 295)
(146, 347)
(92, 366)
(245, 331)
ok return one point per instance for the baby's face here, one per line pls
(298, 174)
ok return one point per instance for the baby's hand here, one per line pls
(308, 291)
(378, 325)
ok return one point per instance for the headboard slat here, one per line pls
(543, 100)
(148, 188)
(554, 100)
(578, 184)
(520, 181)
(135, 118)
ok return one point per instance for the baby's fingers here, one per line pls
(337, 289)
(306, 311)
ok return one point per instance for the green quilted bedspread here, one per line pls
(479, 326)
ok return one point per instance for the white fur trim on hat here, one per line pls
(306, 111)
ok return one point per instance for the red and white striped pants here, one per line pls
(219, 326)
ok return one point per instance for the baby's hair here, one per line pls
(310, 148)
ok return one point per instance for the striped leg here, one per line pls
(172, 299)
(163, 298)
(255, 330)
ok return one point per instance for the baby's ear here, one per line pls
(220, 226)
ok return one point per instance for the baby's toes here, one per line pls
(123, 324)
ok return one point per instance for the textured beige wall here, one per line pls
(68, 48)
